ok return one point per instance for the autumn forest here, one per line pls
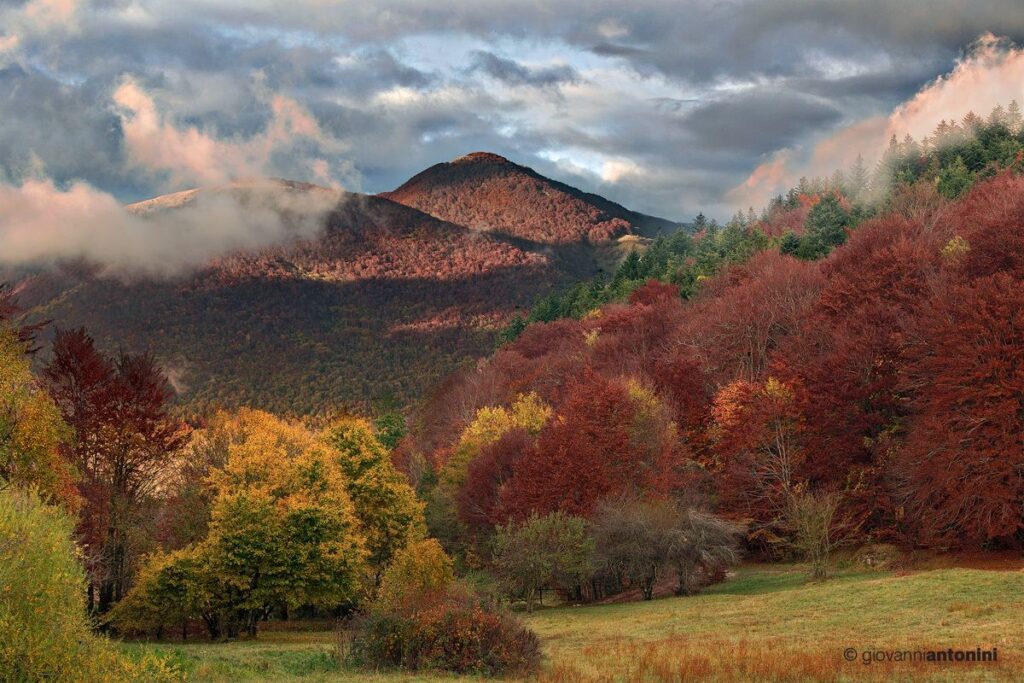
(541, 396)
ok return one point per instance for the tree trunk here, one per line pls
(212, 622)
(253, 621)
(106, 596)
(647, 585)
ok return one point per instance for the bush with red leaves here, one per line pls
(453, 632)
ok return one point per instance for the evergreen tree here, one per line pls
(825, 227)
(1013, 118)
(790, 243)
(857, 180)
(630, 268)
(954, 179)
(700, 222)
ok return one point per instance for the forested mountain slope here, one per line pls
(487, 192)
(378, 304)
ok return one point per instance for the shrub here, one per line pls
(704, 546)
(44, 631)
(418, 571)
(639, 539)
(553, 549)
(817, 529)
(879, 557)
(454, 632)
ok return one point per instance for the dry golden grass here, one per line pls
(769, 624)
(766, 624)
(678, 659)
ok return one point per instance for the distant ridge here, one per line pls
(384, 301)
(239, 188)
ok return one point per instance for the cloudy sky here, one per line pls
(667, 107)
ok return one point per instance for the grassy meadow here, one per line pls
(767, 623)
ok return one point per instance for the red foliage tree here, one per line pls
(541, 360)
(746, 313)
(124, 439)
(851, 347)
(681, 382)
(654, 292)
(964, 453)
(628, 339)
(756, 434)
(589, 452)
(989, 218)
(482, 498)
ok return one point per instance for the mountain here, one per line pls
(489, 193)
(378, 300)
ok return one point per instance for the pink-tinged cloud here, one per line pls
(9, 43)
(41, 223)
(49, 14)
(990, 74)
(188, 156)
(772, 174)
(34, 19)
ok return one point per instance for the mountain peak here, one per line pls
(487, 192)
(476, 157)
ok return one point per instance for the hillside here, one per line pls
(489, 193)
(381, 305)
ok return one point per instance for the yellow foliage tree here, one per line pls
(284, 531)
(390, 515)
(418, 571)
(31, 429)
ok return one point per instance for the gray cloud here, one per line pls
(65, 132)
(513, 73)
(758, 121)
(695, 94)
(613, 50)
